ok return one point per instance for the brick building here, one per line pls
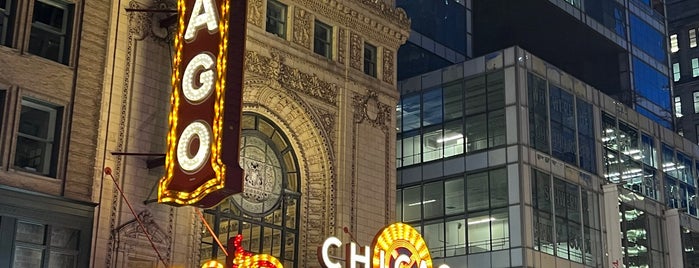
(52, 56)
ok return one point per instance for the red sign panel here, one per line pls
(203, 142)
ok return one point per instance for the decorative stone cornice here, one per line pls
(387, 25)
(289, 77)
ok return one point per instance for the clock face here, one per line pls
(262, 184)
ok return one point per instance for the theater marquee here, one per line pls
(203, 142)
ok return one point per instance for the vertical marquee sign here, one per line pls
(203, 142)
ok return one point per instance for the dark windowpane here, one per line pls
(538, 114)
(39, 128)
(430, 17)
(498, 188)
(477, 191)
(369, 59)
(453, 101)
(420, 61)
(7, 8)
(454, 196)
(276, 18)
(322, 39)
(52, 22)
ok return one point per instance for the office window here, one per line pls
(673, 43)
(51, 31)
(6, 17)
(37, 138)
(696, 102)
(563, 138)
(323, 39)
(369, 59)
(586, 136)
(276, 18)
(692, 38)
(678, 107)
(538, 114)
(695, 67)
(676, 72)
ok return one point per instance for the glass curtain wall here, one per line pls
(458, 117)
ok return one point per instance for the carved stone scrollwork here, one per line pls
(355, 51)
(151, 25)
(291, 78)
(381, 8)
(255, 12)
(368, 108)
(388, 69)
(341, 45)
(302, 27)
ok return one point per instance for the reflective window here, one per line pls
(586, 136)
(652, 85)
(648, 38)
(641, 234)
(323, 39)
(592, 243)
(432, 107)
(454, 196)
(563, 138)
(673, 43)
(676, 72)
(695, 67)
(543, 211)
(608, 13)
(420, 61)
(695, 98)
(453, 100)
(484, 112)
(410, 109)
(692, 38)
(51, 30)
(429, 18)
(276, 18)
(538, 115)
(648, 151)
(37, 138)
(562, 226)
(370, 57)
(7, 8)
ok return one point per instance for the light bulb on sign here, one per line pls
(188, 162)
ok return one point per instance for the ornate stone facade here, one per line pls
(330, 111)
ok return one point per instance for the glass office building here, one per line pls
(440, 35)
(619, 47)
(506, 160)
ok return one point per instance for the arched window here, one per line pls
(267, 212)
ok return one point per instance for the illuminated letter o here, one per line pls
(206, 78)
(193, 163)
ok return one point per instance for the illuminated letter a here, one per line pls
(203, 14)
